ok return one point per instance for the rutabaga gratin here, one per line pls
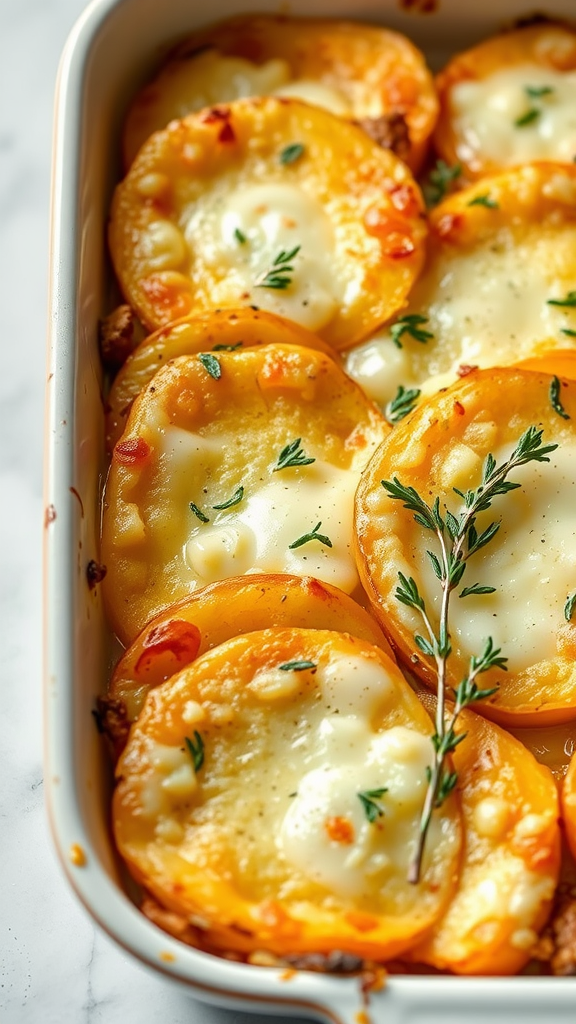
(347, 439)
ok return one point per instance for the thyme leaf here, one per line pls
(569, 607)
(528, 117)
(555, 399)
(234, 500)
(484, 200)
(196, 750)
(369, 799)
(211, 364)
(240, 236)
(296, 666)
(410, 324)
(228, 348)
(290, 154)
(568, 301)
(403, 403)
(293, 455)
(313, 535)
(198, 513)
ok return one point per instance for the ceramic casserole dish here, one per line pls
(110, 53)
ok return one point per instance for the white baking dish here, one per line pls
(109, 53)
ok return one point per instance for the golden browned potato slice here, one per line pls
(530, 561)
(361, 72)
(227, 609)
(221, 330)
(511, 856)
(234, 463)
(213, 215)
(510, 100)
(271, 792)
(498, 285)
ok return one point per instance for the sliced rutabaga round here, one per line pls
(217, 613)
(212, 215)
(497, 288)
(217, 331)
(518, 555)
(270, 795)
(360, 72)
(510, 100)
(233, 463)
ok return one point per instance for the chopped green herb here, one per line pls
(279, 274)
(536, 91)
(531, 115)
(368, 799)
(410, 324)
(555, 399)
(484, 200)
(240, 236)
(476, 589)
(211, 364)
(570, 606)
(293, 455)
(199, 513)
(290, 154)
(313, 535)
(402, 404)
(196, 750)
(569, 300)
(439, 181)
(228, 348)
(297, 666)
(234, 500)
(568, 331)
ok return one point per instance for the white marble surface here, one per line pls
(55, 967)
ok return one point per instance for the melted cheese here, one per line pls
(317, 94)
(531, 562)
(486, 111)
(485, 306)
(211, 78)
(255, 536)
(273, 219)
(326, 833)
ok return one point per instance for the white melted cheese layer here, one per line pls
(531, 561)
(485, 307)
(211, 78)
(486, 111)
(242, 238)
(317, 94)
(255, 535)
(345, 758)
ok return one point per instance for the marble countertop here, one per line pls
(55, 966)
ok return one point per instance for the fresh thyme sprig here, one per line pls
(458, 539)
(410, 324)
(279, 275)
(293, 455)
